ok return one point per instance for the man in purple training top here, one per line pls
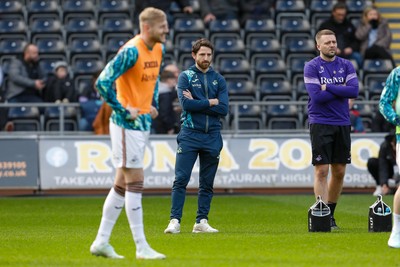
(330, 82)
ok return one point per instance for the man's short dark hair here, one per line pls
(339, 5)
(202, 42)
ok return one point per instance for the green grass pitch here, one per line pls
(254, 231)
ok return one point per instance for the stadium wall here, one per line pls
(42, 163)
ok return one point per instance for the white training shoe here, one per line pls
(394, 240)
(149, 254)
(104, 250)
(203, 227)
(173, 227)
(378, 191)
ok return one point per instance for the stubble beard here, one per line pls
(330, 54)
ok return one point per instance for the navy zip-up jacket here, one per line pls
(197, 113)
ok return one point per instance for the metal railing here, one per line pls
(231, 121)
(61, 108)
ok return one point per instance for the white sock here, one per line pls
(111, 210)
(396, 223)
(134, 212)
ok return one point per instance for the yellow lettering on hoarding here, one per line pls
(267, 157)
(291, 161)
(361, 150)
(93, 157)
(227, 162)
(164, 157)
(147, 158)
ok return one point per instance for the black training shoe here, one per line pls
(333, 224)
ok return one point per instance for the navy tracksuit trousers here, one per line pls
(193, 144)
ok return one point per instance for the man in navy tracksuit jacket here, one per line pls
(204, 99)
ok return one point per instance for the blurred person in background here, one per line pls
(60, 86)
(166, 122)
(255, 9)
(357, 125)
(375, 35)
(219, 9)
(348, 46)
(382, 167)
(90, 102)
(27, 79)
(380, 124)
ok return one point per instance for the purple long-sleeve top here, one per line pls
(330, 106)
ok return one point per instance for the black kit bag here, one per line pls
(319, 217)
(380, 217)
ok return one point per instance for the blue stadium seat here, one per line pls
(116, 24)
(317, 19)
(83, 81)
(25, 118)
(12, 25)
(267, 64)
(301, 91)
(184, 42)
(81, 7)
(233, 64)
(299, 87)
(296, 63)
(298, 44)
(274, 87)
(374, 84)
(289, 6)
(52, 119)
(227, 44)
(85, 45)
(50, 45)
(185, 61)
(357, 6)
(249, 117)
(113, 42)
(282, 116)
(293, 24)
(48, 24)
(261, 44)
(12, 7)
(80, 24)
(382, 66)
(224, 26)
(86, 64)
(240, 88)
(47, 61)
(259, 26)
(11, 44)
(187, 25)
(120, 7)
(322, 6)
(50, 7)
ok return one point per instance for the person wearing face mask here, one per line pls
(374, 35)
